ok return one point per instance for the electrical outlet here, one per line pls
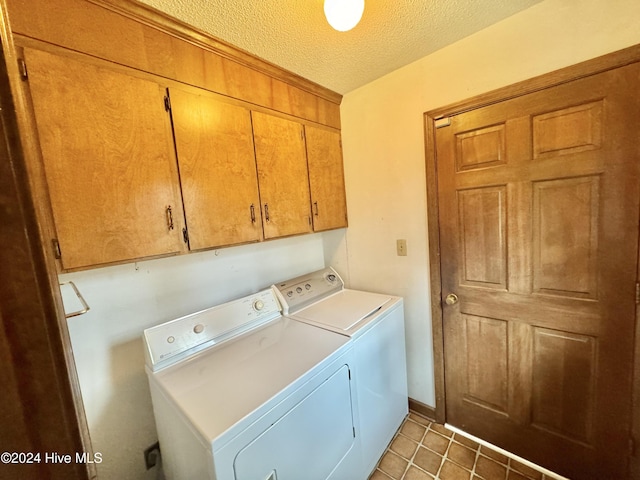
(401, 247)
(151, 455)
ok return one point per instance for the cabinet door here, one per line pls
(217, 170)
(326, 178)
(282, 175)
(108, 159)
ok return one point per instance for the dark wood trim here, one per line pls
(634, 464)
(548, 80)
(434, 270)
(558, 77)
(128, 33)
(423, 409)
(38, 412)
(161, 21)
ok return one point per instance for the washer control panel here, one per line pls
(300, 292)
(177, 339)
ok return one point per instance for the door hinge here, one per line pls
(22, 66)
(56, 249)
(185, 235)
(637, 293)
(442, 122)
(167, 103)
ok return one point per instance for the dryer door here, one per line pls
(310, 441)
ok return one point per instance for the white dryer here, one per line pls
(375, 325)
(242, 393)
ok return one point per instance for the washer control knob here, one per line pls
(290, 293)
(198, 328)
(331, 277)
(308, 286)
(258, 305)
(299, 289)
(171, 339)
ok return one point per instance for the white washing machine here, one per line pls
(242, 393)
(374, 323)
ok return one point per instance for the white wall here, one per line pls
(126, 299)
(383, 142)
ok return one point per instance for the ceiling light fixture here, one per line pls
(343, 15)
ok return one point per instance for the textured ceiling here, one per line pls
(295, 35)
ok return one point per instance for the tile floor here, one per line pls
(422, 450)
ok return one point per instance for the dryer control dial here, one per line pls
(258, 305)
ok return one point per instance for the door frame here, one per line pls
(44, 393)
(584, 69)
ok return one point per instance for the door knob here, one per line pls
(451, 299)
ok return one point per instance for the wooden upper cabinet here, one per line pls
(109, 161)
(326, 178)
(217, 165)
(282, 175)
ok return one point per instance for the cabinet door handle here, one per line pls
(169, 218)
(252, 209)
(315, 205)
(266, 212)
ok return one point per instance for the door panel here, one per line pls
(487, 375)
(538, 199)
(109, 161)
(565, 240)
(483, 239)
(326, 178)
(483, 147)
(282, 175)
(569, 130)
(564, 377)
(214, 142)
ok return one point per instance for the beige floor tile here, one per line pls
(490, 469)
(413, 430)
(419, 419)
(404, 446)
(441, 429)
(393, 465)
(461, 455)
(378, 475)
(451, 471)
(466, 442)
(423, 450)
(427, 460)
(494, 455)
(513, 475)
(525, 470)
(416, 474)
(436, 442)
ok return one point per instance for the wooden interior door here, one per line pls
(109, 161)
(326, 178)
(282, 175)
(538, 206)
(217, 163)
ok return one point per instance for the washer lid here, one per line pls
(222, 385)
(344, 310)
